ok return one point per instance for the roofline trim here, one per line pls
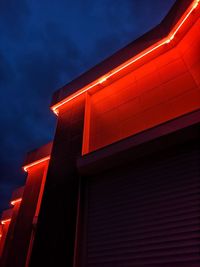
(18, 200)
(37, 162)
(101, 80)
(5, 221)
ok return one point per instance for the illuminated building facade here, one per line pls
(119, 184)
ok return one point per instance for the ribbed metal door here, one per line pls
(146, 214)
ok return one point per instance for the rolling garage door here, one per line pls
(147, 214)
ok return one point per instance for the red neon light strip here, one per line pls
(15, 201)
(5, 221)
(35, 163)
(166, 40)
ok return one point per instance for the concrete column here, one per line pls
(5, 224)
(36, 166)
(55, 234)
(15, 202)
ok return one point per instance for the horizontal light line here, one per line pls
(16, 201)
(5, 221)
(166, 40)
(35, 163)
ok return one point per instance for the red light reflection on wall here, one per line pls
(16, 201)
(35, 163)
(148, 51)
(163, 88)
(5, 221)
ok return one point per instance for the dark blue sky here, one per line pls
(43, 45)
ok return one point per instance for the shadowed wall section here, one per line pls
(54, 241)
(18, 245)
(15, 202)
(5, 224)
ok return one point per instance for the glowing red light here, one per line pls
(101, 80)
(16, 201)
(5, 221)
(35, 163)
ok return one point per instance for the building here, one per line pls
(26, 202)
(119, 184)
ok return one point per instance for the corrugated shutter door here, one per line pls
(147, 214)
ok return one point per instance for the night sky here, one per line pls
(43, 45)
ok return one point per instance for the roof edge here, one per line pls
(126, 53)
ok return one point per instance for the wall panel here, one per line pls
(158, 91)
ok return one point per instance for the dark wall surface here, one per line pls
(55, 235)
(145, 212)
(20, 238)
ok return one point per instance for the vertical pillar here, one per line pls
(35, 165)
(15, 202)
(5, 223)
(0, 232)
(86, 131)
(35, 219)
(55, 234)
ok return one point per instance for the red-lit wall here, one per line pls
(160, 90)
(10, 228)
(18, 247)
(5, 229)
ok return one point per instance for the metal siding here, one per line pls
(147, 213)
